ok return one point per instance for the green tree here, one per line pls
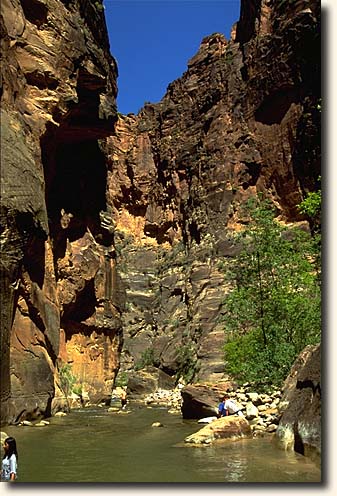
(311, 207)
(146, 359)
(67, 379)
(273, 310)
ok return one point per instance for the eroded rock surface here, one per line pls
(243, 118)
(300, 425)
(57, 99)
(232, 427)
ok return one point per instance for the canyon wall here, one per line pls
(58, 305)
(113, 227)
(243, 119)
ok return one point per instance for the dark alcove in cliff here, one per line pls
(80, 180)
(83, 307)
(76, 176)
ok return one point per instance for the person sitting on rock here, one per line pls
(229, 407)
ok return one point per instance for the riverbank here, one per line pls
(262, 410)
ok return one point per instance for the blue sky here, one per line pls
(152, 41)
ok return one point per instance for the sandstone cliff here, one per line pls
(57, 264)
(112, 228)
(244, 118)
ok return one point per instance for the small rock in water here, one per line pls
(157, 424)
(3, 436)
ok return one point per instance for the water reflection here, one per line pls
(236, 469)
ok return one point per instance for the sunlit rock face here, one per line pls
(57, 259)
(243, 119)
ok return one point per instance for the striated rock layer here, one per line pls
(243, 118)
(58, 304)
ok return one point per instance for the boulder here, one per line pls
(148, 380)
(299, 427)
(199, 402)
(232, 427)
(157, 424)
(254, 398)
(251, 411)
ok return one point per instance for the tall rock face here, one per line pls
(58, 291)
(243, 119)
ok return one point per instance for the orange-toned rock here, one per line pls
(231, 427)
(58, 86)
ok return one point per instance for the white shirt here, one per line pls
(9, 465)
(231, 406)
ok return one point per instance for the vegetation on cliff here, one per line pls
(273, 310)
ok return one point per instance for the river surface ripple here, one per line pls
(94, 445)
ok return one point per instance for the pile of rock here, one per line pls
(170, 398)
(262, 410)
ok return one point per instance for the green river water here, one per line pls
(94, 445)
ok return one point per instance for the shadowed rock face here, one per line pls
(300, 425)
(242, 119)
(57, 266)
(200, 401)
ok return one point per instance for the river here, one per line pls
(94, 445)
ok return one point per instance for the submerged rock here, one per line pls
(113, 409)
(157, 424)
